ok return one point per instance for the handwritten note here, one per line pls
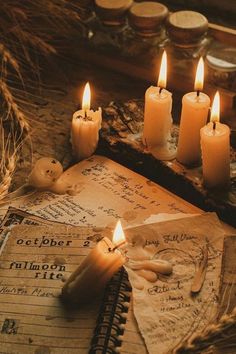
(166, 311)
(107, 191)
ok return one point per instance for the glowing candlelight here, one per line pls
(215, 109)
(194, 114)
(85, 127)
(215, 146)
(157, 117)
(162, 79)
(86, 101)
(199, 78)
(96, 269)
(118, 235)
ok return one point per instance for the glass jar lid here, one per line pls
(222, 58)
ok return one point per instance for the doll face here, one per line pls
(45, 172)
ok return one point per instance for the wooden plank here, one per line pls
(223, 34)
(121, 141)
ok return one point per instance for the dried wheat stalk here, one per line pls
(218, 335)
(27, 28)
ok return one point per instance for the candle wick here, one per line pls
(214, 125)
(160, 90)
(117, 246)
(146, 144)
(198, 93)
(85, 113)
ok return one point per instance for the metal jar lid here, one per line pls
(112, 12)
(222, 58)
(186, 27)
(146, 17)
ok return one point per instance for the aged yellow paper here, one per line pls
(34, 263)
(166, 311)
(104, 191)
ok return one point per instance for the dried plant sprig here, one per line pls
(7, 164)
(7, 174)
(8, 58)
(220, 334)
(28, 29)
(13, 109)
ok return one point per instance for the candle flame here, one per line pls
(86, 97)
(118, 235)
(163, 71)
(215, 109)
(199, 78)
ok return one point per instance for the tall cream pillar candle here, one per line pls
(195, 107)
(86, 124)
(215, 145)
(95, 271)
(157, 116)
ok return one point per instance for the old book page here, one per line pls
(166, 310)
(132, 340)
(34, 262)
(104, 192)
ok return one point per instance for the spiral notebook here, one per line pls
(31, 318)
(112, 317)
(34, 261)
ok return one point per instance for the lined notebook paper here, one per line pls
(32, 318)
(33, 266)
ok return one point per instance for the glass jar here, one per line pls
(221, 66)
(187, 39)
(146, 30)
(106, 30)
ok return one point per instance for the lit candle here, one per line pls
(86, 124)
(157, 116)
(215, 145)
(96, 269)
(195, 107)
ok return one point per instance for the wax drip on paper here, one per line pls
(155, 265)
(148, 275)
(142, 264)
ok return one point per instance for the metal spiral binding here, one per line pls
(112, 315)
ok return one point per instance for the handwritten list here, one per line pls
(166, 311)
(106, 191)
